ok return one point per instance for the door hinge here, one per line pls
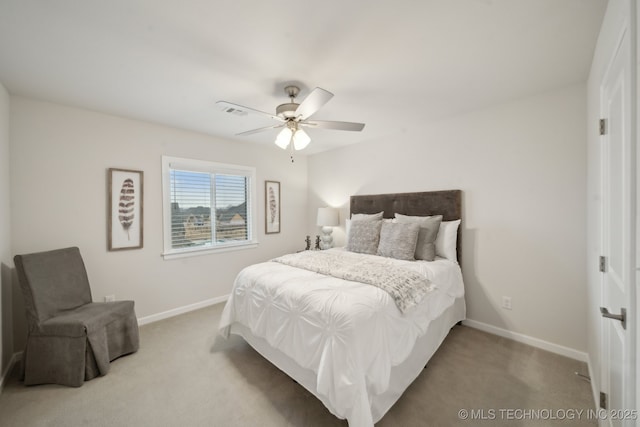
(603, 400)
(602, 264)
(603, 126)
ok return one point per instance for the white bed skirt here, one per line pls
(401, 375)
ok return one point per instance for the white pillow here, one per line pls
(347, 227)
(447, 240)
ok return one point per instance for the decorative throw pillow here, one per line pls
(348, 226)
(364, 236)
(367, 217)
(398, 240)
(429, 229)
(447, 240)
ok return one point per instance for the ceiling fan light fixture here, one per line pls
(292, 115)
(284, 138)
(300, 139)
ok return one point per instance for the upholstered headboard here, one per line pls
(447, 203)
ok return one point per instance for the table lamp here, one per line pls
(327, 218)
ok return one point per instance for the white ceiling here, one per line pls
(390, 64)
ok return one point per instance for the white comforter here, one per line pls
(349, 334)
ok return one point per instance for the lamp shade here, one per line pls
(327, 217)
(300, 139)
(283, 138)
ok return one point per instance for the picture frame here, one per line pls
(125, 220)
(272, 207)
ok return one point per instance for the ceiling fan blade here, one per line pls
(241, 110)
(251, 132)
(313, 102)
(324, 124)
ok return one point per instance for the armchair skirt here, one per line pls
(70, 353)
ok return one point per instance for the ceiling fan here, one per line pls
(292, 117)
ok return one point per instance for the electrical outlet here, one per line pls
(109, 298)
(506, 303)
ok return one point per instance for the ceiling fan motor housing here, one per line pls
(287, 111)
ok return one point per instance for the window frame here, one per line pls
(192, 165)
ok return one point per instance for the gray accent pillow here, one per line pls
(398, 240)
(364, 236)
(367, 217)
(429, 226)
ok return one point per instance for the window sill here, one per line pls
(185, 253)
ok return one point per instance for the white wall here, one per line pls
(617, 12)
(522, 169)
(59, 161)
(6, 263)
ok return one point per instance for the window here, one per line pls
(207, 207)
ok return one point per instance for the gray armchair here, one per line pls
(71, 339)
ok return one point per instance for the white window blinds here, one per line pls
(210, 206)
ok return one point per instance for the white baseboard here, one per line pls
(525, 339)
(141, 321)
(594, 385)
(181, 310)
(14, 359)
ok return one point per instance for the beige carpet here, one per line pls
(183, 376)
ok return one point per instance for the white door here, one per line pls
(618, 244)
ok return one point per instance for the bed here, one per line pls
(349, 343)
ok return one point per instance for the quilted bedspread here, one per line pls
(350, 334)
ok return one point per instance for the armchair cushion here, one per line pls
(84, 320)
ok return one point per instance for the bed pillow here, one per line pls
(398, 240)
(364, 236)
(429, 230)
(362, 217)
(447, 240)
(367, 217)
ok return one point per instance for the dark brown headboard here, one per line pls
(447, 203)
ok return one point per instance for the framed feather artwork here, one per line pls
(125, 222)
(272, 207)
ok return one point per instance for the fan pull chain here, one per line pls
(291, 146)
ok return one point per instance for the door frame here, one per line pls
(633, 263)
